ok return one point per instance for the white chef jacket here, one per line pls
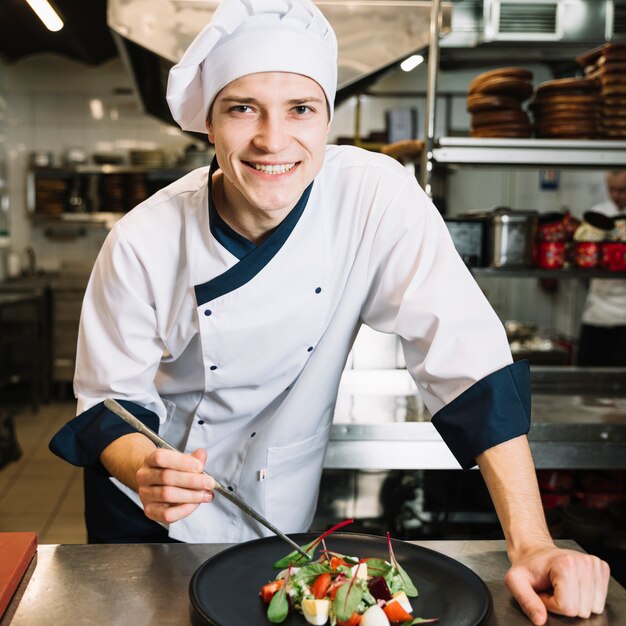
(239, 348)
(605, 304)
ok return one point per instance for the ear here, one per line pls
(210, 131)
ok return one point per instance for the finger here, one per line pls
(150, 476)
(602, 576)
(169, 495)
(522, 590)
(586, 590)
(168, 514)
(201, 455)
(174, 460)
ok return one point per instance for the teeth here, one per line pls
(273, 169)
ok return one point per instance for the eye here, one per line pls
(240, 108)
(302, 109)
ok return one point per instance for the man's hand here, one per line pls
(561, 581)
(542, 577)
(172, 485)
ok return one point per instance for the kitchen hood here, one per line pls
(554, 32)
(373, 36)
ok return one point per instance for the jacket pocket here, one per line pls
(293, 477)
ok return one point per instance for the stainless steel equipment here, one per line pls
(510, 237)
(531, 30)
(149, 583)
(578, 421)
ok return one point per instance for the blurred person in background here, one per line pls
(602, 339)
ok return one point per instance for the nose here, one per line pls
(272, 134)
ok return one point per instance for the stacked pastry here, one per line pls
(607, 65)
(567, 108)
(495, 99)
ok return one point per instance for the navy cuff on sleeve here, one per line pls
(82, 440)
(491, 411)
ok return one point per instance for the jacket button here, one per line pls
(318, 290)
(200, 422)
(213, 367)
(309, 349)
(208, 312)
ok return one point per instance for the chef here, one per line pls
(602, 339)
(221, 312)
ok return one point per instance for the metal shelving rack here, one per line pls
(537, 272)
(502, 152)
(530, 152)
(98, 216)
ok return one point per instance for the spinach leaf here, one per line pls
(377, 567)
(278, 608)
(308, 573)
(347, 600)
(409, 587)
(295, 558)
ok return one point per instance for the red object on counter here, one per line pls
(598, 501)
(556, 487)
(554, 500)
(551, 227)
(16, 552)
(570, 224)
(555, 480)
(587, 253)
(550, 254)
(614, 256)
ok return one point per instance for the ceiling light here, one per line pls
(97, 109)
(412, 62)
(46, 14)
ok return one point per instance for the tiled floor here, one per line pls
(40, 492)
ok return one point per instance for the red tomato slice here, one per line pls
(320, 585)
(335, 562)
(268, 590)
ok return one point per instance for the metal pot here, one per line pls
(510, 237)
(41, 158)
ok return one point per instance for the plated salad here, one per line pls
(340, 589)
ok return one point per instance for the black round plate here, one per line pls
(224, 590)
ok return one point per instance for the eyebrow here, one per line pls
(292, 101)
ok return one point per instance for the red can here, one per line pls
(550, 254)
(551, 227)
(614, 256)
(587, 253)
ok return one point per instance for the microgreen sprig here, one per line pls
(409, 587)
(295, 558)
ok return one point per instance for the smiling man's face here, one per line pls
(270, 131)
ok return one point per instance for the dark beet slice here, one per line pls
(378, 588)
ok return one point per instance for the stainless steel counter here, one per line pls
(71, 585)
(578, 421)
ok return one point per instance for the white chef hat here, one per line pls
(249, 36)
